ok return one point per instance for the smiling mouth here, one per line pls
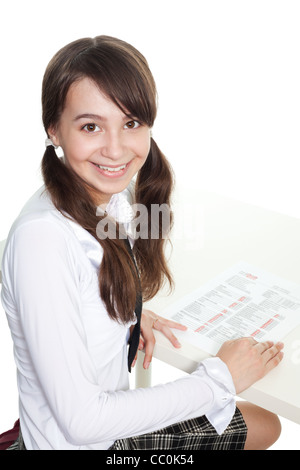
(110, 168)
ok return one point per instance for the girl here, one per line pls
(73, 289)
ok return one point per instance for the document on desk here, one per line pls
(242, 301)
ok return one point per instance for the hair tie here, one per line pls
(48, 143)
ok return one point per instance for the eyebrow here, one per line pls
(97, 117)
(89, 116)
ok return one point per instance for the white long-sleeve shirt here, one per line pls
(71, 357)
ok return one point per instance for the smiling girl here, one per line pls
(73, 300)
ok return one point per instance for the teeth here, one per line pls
(106, 168)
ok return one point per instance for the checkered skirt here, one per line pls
(194, 434)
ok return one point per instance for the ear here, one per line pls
(53, 135)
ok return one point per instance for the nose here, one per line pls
(112, 146)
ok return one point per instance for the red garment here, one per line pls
(9, 437)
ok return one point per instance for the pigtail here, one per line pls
(154, 185)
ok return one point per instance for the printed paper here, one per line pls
(242, 301)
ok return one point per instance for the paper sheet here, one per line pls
(242, 301)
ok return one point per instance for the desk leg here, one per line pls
(142, 376)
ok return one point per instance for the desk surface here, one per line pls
(233, 231)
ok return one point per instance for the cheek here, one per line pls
(144, 150)
(141, 143)
(76, 151)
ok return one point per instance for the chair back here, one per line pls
(2, 245)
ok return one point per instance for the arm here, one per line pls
(45, 287)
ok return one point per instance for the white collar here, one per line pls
(121, 210)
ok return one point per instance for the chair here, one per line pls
(7, 438)
(2, 245)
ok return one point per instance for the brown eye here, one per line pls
(91, 127)
(132, 124)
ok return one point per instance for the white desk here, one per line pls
(234, 231)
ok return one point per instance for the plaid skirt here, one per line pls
(194, 434)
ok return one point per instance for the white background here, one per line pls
(228, 75)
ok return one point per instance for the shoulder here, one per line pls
(39, 213)
(39, 226)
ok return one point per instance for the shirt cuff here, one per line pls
(217, 375)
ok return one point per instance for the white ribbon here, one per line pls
(48, 143)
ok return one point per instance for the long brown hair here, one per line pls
(122, 73)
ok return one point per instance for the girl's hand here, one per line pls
(249, 361)
(149, 322)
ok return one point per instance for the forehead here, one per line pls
(85, 97)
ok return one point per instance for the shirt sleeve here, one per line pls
(44, 280)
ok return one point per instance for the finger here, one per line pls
(172, 324)
(167, 333)
(149, 341)
(264, 346)
(273, 351)
(141, 344)
(134, 361)
(178, 326)
(274, 361)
